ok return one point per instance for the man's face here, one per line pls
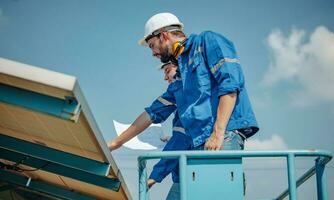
(159, 47)
(170, 71)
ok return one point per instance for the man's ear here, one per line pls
(165, 35)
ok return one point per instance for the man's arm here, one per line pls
(224, 111)
(223, 63)
(140, 124)
(158, 112)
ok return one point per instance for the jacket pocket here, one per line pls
(199, 71)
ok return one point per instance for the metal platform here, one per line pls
(206, 164)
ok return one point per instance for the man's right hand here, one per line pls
(113, 144)
(141, 123)
(150, 183)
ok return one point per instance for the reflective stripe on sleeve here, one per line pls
(179, 129)
(165, 102)
(222, 61)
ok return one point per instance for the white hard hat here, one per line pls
(162, 20)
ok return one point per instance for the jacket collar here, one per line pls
(189, 43)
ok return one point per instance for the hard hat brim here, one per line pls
(142, 42)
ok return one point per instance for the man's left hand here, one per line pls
(215, 141)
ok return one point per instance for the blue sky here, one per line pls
(286, 50)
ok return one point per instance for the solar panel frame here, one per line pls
(57, 85)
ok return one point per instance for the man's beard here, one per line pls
(165, 56)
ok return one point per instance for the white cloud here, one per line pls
(274, 143)
(308, 63)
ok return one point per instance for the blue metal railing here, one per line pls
(322, 158)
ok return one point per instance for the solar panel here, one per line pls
(48, 109)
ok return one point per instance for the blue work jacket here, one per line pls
(178, 142)
(209, 68)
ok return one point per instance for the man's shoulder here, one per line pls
(209, 34)
(203, 37)
(211, 37)
(173, 86)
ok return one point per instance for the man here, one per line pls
(212, 103)
(158, 112)
(214, 98)
(179, 140)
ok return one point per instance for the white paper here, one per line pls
(149, 139)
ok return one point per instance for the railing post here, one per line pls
(143, 190)
(321, 180)
(183, 183)
(292, 176)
